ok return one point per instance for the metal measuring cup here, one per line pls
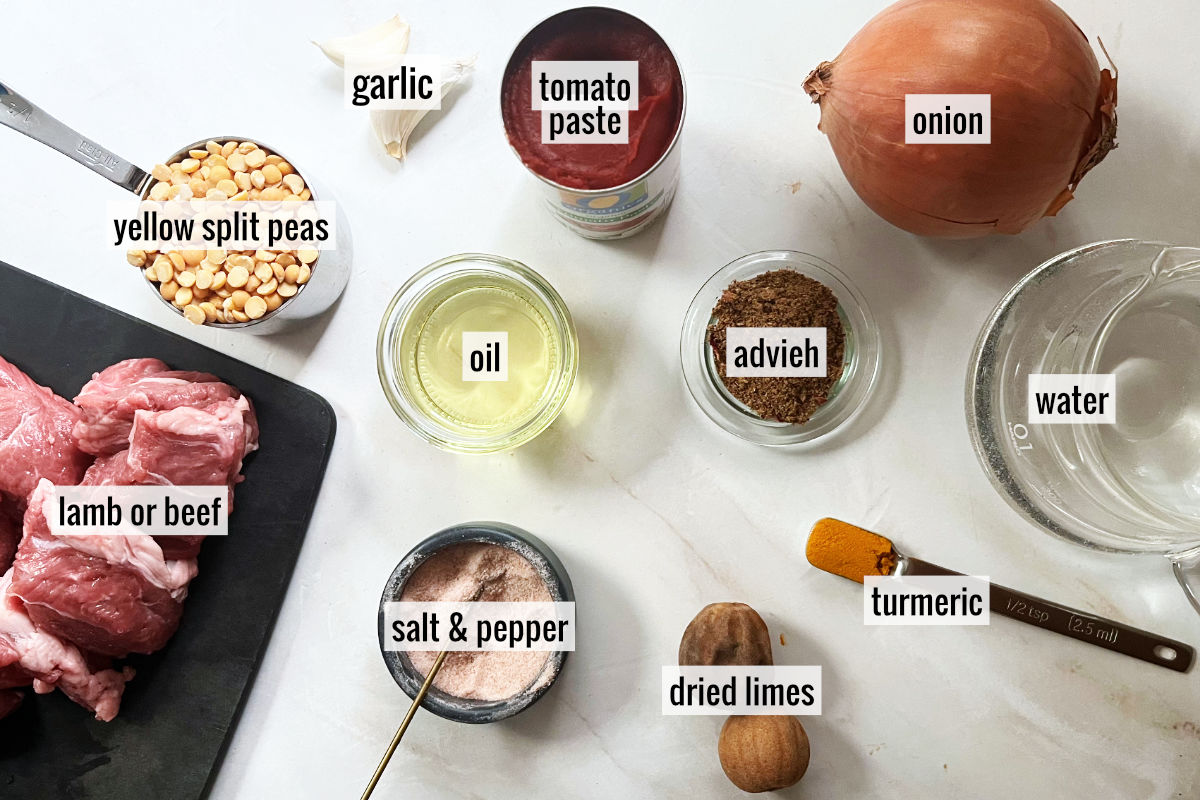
(330, 271)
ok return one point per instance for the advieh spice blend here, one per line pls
(780, 298)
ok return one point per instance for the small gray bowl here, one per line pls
(409, 679)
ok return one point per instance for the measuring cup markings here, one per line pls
(1125, 307)
(1093, 629)
(1027, 609)
(1020, 436)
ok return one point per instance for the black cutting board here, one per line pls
(180, 709)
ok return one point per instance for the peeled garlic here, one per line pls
(387, 40)
(394, 127)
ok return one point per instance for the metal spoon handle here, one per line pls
(1081, 625)
(23, 116)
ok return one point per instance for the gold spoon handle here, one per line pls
(412, 711)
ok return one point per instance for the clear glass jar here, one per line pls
(408, 335)
(861, 364)
(1125, 307)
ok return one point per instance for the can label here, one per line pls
(622, 212)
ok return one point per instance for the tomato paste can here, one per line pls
(618, 211)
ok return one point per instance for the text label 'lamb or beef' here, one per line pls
(138, 510)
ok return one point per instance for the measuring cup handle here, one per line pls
(1187, 572)
(21, 115)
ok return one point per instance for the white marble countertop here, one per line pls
(655, 511)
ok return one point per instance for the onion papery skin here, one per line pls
(1053, 113)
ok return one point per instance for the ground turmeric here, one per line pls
(849, 551)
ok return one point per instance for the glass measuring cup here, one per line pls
(1126, 307)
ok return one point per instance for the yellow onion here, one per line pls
(1053, 113)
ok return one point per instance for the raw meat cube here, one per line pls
(35, 436)
(193, 446)
(182, 447)
(108, 594)
(53, 663)
(109, 401)
(114, 470)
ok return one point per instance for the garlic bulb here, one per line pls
(386, 41)
(393, 128)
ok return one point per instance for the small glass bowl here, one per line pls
(861, 365)
(401, 314)
(459, 709)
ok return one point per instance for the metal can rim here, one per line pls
(649, 170)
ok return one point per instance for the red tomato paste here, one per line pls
(595, 34)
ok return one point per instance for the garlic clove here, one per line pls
(387, 40)
(393, 127)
